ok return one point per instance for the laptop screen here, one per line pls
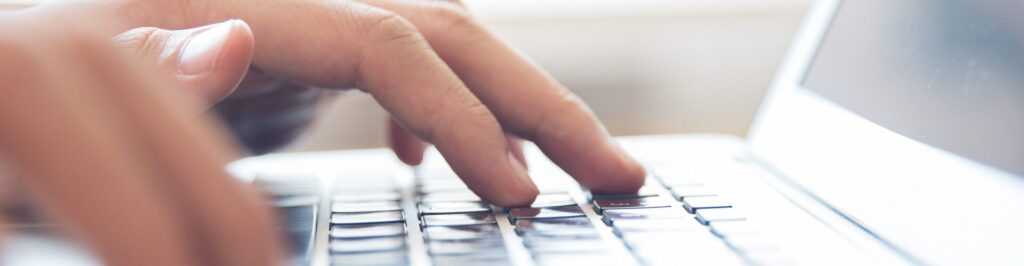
(948, 73)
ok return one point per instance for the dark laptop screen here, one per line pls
(948, 73)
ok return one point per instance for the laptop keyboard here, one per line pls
(672, 220)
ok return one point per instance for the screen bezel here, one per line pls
(902, 190)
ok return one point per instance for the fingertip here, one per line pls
(235, 59)
(522, 191)
(408, 148)
(613, 171)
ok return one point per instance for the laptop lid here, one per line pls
(908, 116)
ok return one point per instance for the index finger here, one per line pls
(527, 101)
(383, 54)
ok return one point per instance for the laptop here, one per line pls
(892, 135)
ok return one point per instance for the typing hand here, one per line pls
(444, 79)
(108, 148)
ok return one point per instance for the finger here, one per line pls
(370, 49)
(91, 176)
(207, 61)
(232, 223)
(516, 145)
(381, 53)
(526, 100)
(408, 147)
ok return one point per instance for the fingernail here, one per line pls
(200, 54)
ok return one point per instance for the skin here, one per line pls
(139, 149)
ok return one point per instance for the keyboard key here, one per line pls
(681, 192)
(612, 215)
(577, 258)
(465, 246)
(625, 226)
(692, 204)
(553, 200)
(707, 216)
(565, 245)
(362, 185)
(367, 196)
(750, 243)
(461, 232)
(449, 196)
(629, 203)
(395, 257)
(733, 228)
(545, 213)
(569, 233)
(368, 206)
(645, 191)
(443, 185)
(458, 219)
(489, 258)
(678, 240)
(299, 222)
(768, 258)
(367, 217)
(672, 183)
(364, 245)
(695, 256)
(367, 230)
(552, 224)
(443, 207)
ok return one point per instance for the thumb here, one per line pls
(207, 61)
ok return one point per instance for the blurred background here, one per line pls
(644, 66)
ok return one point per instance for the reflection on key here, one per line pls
(692, 204)
(553, 200)
(369, 206)
(545, 213)
(552, 224)
(706, 216)
(441, 207)
(624, 226)
(395, 257)
(449, 196)
(682, 192)
(569, 233)
(461, 232)
(489, 258)
(612, 215)
(630, 203)
(458, 219)
(576, 258)
(367, 196)
(367, 230)
(750, 243)
(465, 246)
(645, 191)
(565, 245)
(367, 244)
(674, 239)
(733, 228)
(367, 217)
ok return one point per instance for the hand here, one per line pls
(442, 77)
(110, 150)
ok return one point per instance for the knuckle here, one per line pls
(144, 40)
(385, 26)
(566, 112)
(452, 17)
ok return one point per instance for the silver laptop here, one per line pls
(893, 134)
